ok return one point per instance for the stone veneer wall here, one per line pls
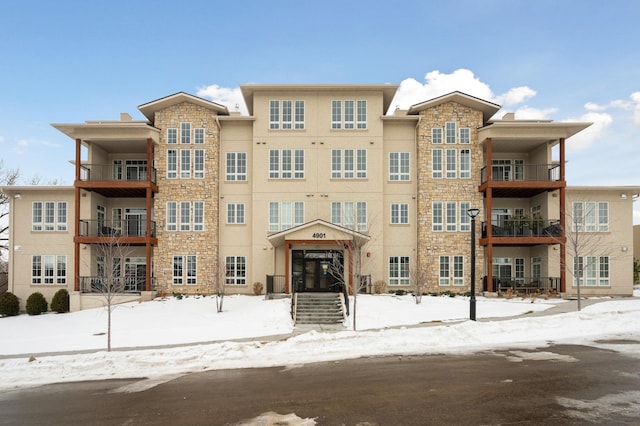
(203, 244)
(432, 245)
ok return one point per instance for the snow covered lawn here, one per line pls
(381, 319)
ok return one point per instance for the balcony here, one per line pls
(128, 231)
(117, 180)
(520, 180)
(517, 232)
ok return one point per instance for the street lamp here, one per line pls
(472, 213)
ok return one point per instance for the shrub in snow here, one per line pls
(60, 301)
(379, 287)
(257, 288)
(36, 304)
(9, 304)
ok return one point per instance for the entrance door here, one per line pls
(135, 274)
(136, 222)
(317, 270)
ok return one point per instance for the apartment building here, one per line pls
(315, 180)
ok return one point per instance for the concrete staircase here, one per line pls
(319, 308)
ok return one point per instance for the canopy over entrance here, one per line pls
(317, 232)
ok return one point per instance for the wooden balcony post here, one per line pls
(76, 221)
(563, 219)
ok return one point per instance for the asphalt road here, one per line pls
(559, 385)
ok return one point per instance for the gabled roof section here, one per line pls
(388, 90)
(488, 108)
(279, 238)
(149, 109)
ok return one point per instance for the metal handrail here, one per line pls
(117, 172)
(118, 228)
(522, 173)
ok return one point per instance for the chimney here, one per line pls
(125, 117)
(510, 116)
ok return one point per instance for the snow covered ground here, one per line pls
(166, 338)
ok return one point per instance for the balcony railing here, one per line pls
(116, 172)
(524, 285)
(96, 284)
(523, 173)
(122, 228)
(524, 228)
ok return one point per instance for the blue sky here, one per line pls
(71, 61)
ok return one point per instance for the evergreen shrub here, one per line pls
(60, 301)
(36, 304)
(9, 304)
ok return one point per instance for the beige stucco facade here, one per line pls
(312, 172)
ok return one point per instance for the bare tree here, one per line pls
(220, 285)
(351, 277)
(110, 281)
(418, 279)
(8, 177)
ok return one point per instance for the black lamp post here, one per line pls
(472, 307)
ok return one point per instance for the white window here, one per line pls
(451, 155)
(172, 216)
(299, 115)
(192, 270)
(349, 163)
(172, 164)
(185, 133)
(185, 163)
(343, 115)
(519, 270)
(590, 216)
(286, 163)
(235, 213)
(178, 270)
(274, 115)
(436, 163)
(361, 119)
(236, 168)
(49, 269)
(436, 135)
(198, 215)
(591, 270)
(198, 163)
(349, 214)
(336, 114)
(49, 216)
(286, 115)
(465, 164)
(400, 214)
(445, 272)
(465, 220)
(437, 219)
(285, 214)
(172, 136)
(450, 132)
(236, 270)
(117, 170)
(458, 270)
(399, 166)
(398, 270)
(185, 214)
(465, 135)
(536, 268)
(452, 222)
(198, 136)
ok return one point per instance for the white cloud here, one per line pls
(437, 84)
(635, 98)
(50, 144)
(229, 97)
(1, 139)
(583, 140)
(515, 96)
(529, 113)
